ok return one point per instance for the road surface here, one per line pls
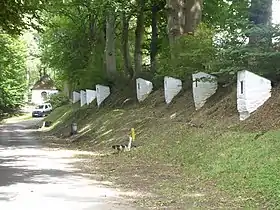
(33, 177)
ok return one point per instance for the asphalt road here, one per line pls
(33, 177)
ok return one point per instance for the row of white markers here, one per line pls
(252, 91)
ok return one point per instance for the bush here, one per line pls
(58, 100)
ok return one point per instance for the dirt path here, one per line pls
(34, 177)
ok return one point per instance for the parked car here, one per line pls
(42, 110)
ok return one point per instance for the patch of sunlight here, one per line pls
(86, 128)
(57, 114)
(102, 129)
(106, 122)
(173, 115)
(117, 110)
(18, 118)
(119, 113)
(66, 113)
(105, 133)
(194, 195)
(51, 127)
(111, 139)
(85, 132)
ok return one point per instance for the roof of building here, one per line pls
(45, 83)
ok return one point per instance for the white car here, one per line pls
(42, 110)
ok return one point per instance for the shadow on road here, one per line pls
(34, 177)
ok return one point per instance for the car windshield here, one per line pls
(40, 107)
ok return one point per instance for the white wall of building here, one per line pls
(83, 96)
(76, 97)
(204, 86)
(90, 96)
(252, 92)
(36, 95)
(144, 88)
(172, 87)
(102, 92)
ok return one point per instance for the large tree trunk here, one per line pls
(183, 17)
(126, 55)
(175, 18)
(110, 51)
(193, 14)
(139, 33)
(154, 40)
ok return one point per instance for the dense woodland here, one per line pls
(85, 42)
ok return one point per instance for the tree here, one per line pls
(15, 16)
(128, 69)
(139, 33)
(12, 73)
(193, 15)
(87, 42)
(260, 14)
(110, 51)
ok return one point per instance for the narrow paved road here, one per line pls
(33, 177)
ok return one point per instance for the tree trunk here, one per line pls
(66, 89)
(92, 27)
(139, 33)
(175, 18)
(154, 40)
(40, 72)
(110, 50)
(193, 15)
(126, 55)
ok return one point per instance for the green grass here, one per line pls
(240, 164)
(207, 159)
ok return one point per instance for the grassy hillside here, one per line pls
(189, 158)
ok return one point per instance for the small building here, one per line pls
(172, 87)
(83, 98)
(252, 92)
(90, 96)
(75, 97)
(144, 88)
(204, 86)
(102, 92)
(42, 90)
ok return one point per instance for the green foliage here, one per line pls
(74, 41)
(15, 16)
(190, 54)
(33, 62)
(262, 57)
(58, 100)
(225, 14)
(67, 50)
(12, 73)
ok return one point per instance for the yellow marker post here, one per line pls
(132, 134)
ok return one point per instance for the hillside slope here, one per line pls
(189, 158)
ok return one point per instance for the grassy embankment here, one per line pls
(204, 159)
